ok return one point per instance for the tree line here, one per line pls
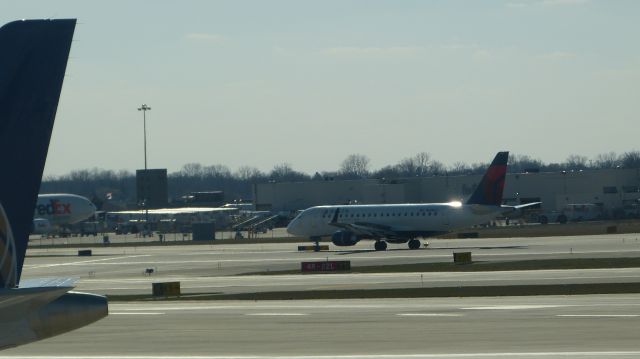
(98, 185)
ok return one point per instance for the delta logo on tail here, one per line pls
(489, 191)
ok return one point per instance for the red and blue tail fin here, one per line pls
(33, 59)
(489, 191)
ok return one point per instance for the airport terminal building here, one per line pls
(614, 190)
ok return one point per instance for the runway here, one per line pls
(217, 268)
(581, 326)
(595, 326)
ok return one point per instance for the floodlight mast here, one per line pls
(144, 108)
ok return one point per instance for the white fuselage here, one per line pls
(62, 209)
(413, 220)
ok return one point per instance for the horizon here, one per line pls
(259, 84)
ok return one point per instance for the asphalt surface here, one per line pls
(579, 326)
(216, 268)
(594, 326)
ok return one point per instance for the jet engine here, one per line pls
(344, 238)
(41, 226)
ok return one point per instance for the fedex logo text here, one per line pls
(54, 207)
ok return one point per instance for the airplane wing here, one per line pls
(14, 302)
(33, 293)
(48, 282)
(371, 230)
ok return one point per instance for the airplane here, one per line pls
(404, 223)
(33, 59)
(56, 211)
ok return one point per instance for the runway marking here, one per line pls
(95, 261)
(514, 307)
(594, 354)
(430, 315)
(599, 315)
(276, 314)
(136, 313)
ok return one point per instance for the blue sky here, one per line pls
(307, 83)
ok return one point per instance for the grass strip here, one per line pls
(469, 291)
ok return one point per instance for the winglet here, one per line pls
(33, 59)
(489, 191)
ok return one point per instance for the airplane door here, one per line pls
(446, 213)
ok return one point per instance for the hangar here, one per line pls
(614, 190)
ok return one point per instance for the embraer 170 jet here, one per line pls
(33, 59)
(404, 223)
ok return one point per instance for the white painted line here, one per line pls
(599, 315)
(429, 315)
(276, 314)
(513, 307)
(136, 313)
(89, 261)
(594, 354)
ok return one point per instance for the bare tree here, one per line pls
(522, 163)
(217, 171)
(284, 172)
(191, 170)
(576, 162)
(418, 165)
(437, 168)
(459, 168)
(387, 172)
(423, 163)
(630, 159)
(607, 160)
(355, 165)
(248, 173)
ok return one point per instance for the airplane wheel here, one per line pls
(380, 246)
(414, 244)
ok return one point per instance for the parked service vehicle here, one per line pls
(573, 212)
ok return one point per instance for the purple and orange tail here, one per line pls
(489, 191)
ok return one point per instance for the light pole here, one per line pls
(144, 108)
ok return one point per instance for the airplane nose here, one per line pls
(294, 226)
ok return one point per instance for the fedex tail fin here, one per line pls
(33, 59)
(489, 191)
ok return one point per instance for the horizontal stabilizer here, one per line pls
(509, 209)
(525, 205)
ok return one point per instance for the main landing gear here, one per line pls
(380, 246)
